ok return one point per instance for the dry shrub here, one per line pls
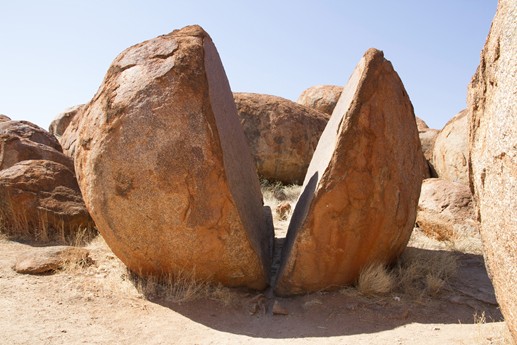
(375, 279)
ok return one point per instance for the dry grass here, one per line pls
(458, 243)
(16, 225)
(485, 331)
(375, 279)
(276, 194)
(182, 287)
(418, 273)
(421, 272)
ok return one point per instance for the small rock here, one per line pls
(50, 259)
(257, 303)
(283, 210)
(278, 309)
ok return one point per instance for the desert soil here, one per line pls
(99, 304)
(103, 304)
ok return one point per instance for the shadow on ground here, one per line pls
(468, 298)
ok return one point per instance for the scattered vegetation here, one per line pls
(281, 198)
(418, 273)
(463, 244)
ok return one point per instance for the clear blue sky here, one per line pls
(54, 53)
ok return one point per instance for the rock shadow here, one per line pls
(465, 297)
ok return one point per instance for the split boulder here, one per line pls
(282, 135)
(492, 102)
(360, 194)
(165, 168)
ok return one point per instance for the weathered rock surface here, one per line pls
(21, 140)
(492, 102)
(4, 118)
(14, 149)
(427, 137)
(59, 125)
(420, 124)
(322, 98)
(69, 139)
(427, 140)
(282, 135)
(43, 260)
(165, 169)
(30, 131)
(360, 195)
(446, 210)
(450, 150)
(40, 200)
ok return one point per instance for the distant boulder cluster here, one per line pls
(165, 162)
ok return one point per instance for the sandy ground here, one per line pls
(99, 304)
(102, 303)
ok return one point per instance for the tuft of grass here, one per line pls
(375, 279)
(182, 287)
(419, 272)
(19, 225)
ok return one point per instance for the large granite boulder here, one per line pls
(427, 137)
(40, 200)
(69, 137)
(165, 168)
(445, 210)
(282, 135)
(492, 102)
(360, 194)
(28, 130)
(322, 98)
(59, 125)
(427, 140)
(22, 140)
(4, 118)
(450, 149)
(14, 149)
(421, 125)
